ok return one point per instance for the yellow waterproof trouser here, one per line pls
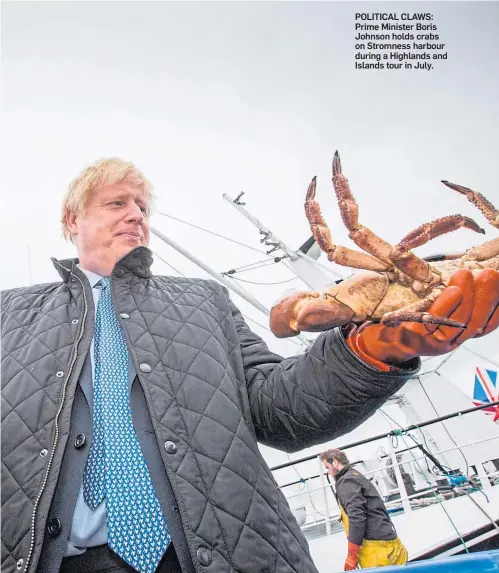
(376, 553)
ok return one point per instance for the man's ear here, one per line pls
(71, 222)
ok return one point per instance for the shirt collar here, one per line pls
(92, 277)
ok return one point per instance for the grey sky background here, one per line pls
(221, 97)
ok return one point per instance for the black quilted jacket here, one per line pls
(213, 388)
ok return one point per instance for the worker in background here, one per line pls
(372, 539)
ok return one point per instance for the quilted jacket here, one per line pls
(213, 388)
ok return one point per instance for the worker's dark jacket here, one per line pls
(211, 389)
(367, 515)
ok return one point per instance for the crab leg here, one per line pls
(416, 313)
(410, 263)
(429, 231)
(407, 262)
(490, 248)
(483, 252)
(335, 253)
(480, 202)
(360, 235)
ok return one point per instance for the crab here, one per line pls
(395, 285)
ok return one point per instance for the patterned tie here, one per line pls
(116, 469)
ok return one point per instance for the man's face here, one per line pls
(332, 468)
(113, 223)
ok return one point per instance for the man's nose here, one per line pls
(135, 213)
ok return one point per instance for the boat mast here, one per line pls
(305, 267)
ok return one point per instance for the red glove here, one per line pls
(352, 559)
(470, 300)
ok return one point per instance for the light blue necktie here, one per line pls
(116, 468)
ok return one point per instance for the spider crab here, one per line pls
(396, 284)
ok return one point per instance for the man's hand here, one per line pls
(470, 300)
(352, 559)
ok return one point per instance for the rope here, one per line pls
(401, 433)
(445, 427)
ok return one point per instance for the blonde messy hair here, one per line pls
(103, 173)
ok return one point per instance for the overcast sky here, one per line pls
(211, 98)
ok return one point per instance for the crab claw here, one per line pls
(308, 311)
(336, 164)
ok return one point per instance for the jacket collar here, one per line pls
(137, 262)
(341, 473)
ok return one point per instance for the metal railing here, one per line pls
(482, 481)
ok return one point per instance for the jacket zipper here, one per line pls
(56, 438)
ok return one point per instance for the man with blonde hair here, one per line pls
(133, 404)
(372, 539)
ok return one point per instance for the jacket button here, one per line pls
(204, 556)
(124, 315)
(54, 527)
(119, 273)
(80, 441)
(144, 367)
(170, 447)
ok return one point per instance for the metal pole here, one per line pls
(484, 480)
(483, 511)
(324, 492)
(406, 504)
(309, 271)
(412, 461)
(394, 433)
(229, 284)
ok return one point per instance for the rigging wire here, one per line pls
(423, 436)
(246, 268)
(493, 362)
(303, 485)
(212, 233)
(434, 470)
(427, 480)
(168, 264)
(272, 260)
(265, 262)
(259, 283)
(445, 427)
(235, 279)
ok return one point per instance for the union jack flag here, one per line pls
(486, 390)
